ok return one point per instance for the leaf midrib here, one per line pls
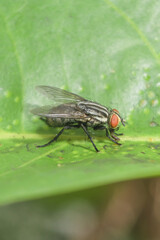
(6, 135)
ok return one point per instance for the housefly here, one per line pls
(72, 111)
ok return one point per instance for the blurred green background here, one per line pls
(106, 51)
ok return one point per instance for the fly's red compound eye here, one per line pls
(114, 121)
(115, 110)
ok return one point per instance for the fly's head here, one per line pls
(115, 119)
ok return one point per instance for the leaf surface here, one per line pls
(106, 51)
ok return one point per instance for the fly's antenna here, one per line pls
(122, 120)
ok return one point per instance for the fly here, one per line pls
(72, 111)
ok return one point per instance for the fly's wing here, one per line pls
(58, 95)
(61, 111)
(68, 108)
(73, 106)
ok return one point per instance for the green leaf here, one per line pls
(102, 50)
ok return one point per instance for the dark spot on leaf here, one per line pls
(105, 147)
(129, 155)
(50, 156)
(153, 124)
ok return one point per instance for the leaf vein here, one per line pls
(136, 28)
(31, 161)
(16, 54)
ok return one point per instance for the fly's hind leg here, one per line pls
(58, 135)
(53, 140)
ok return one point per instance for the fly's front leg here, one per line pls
(112, 132)
(110, 135)
(118, 134)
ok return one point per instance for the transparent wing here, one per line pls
(58, 95)
(61, 111)
(41, 110)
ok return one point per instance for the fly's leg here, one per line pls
(54, 139)
(109, 136)
(109, 133)
(112, 133)
(85, 130)
(99, 128)
(69, 127)
(58, 135)
(119, 134)
(115, 137)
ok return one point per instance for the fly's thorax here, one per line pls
(94, 111)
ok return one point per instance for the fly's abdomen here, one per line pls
(60, 122)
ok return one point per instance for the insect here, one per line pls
(73, 111)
